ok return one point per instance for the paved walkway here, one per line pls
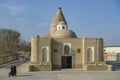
(60, 75)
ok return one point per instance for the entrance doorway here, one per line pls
(66, 62)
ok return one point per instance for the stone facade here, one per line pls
(61, 49)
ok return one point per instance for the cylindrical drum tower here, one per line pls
(34, 50)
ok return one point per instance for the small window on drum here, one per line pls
(63, 27)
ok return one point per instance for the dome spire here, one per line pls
(60, 8)
(58, 17)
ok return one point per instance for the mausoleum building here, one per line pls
(63, 49)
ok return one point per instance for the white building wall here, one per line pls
(112, 49)
(111, 53)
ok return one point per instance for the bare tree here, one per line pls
(24, 46)
(9, 40)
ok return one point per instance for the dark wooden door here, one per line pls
(66, 61)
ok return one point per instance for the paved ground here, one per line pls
(60, 75)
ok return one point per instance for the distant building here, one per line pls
(112, 53)
(61, 49)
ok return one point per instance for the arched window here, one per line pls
(44, 55)
(66, 49)
(89, 55)
(61, 27)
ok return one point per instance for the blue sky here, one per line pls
(87, 18)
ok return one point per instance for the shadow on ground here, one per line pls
(22, 75)
(115, 64)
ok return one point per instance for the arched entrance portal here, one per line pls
(66, 57)
(66, 62)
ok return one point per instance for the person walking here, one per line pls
(14, 70)
(11, 73)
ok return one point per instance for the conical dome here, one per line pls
(61, 23)
(59, 28)
(57, 18)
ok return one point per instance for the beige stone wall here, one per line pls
(76, 43)
(38, 67)
(97, 43)
(36, 54)
(44, 42)
(57, 44)
(55, 50)
(100, 50)
(99, 67)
